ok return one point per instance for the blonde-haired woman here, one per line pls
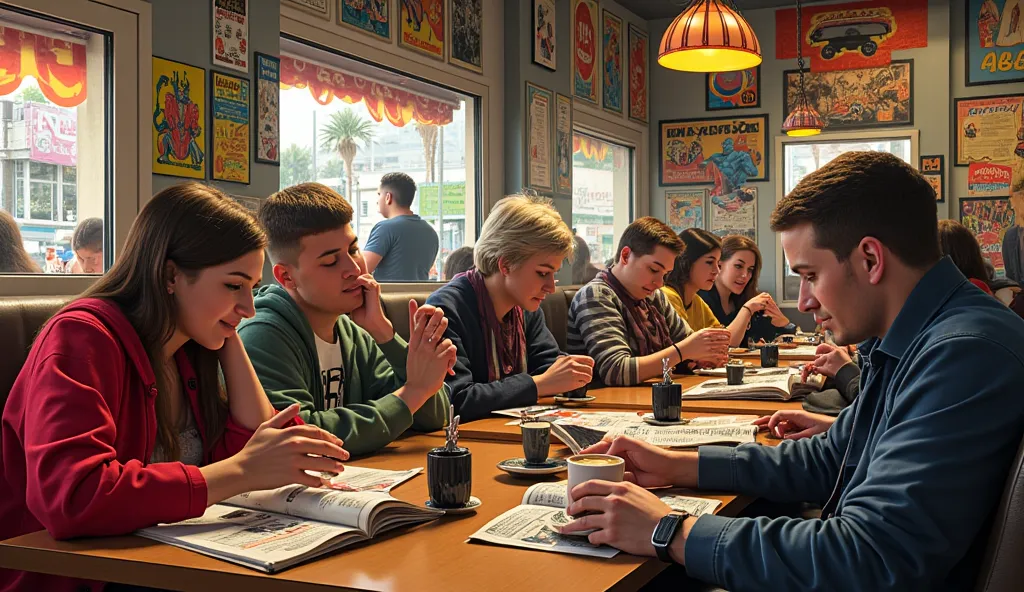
(507, 357)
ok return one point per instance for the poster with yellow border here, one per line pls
(179, 119)
(726, 152)
(230, 124)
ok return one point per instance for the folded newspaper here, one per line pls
(787, 351)
(273, 530)
(768, 384)
(588, 429)
(534, 524)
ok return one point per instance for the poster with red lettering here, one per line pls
(585, 73)
(231, 34)
(988, 180)
(853, 35)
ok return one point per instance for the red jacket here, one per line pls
(77, 434)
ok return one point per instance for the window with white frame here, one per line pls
(801, 158)
(602, 194)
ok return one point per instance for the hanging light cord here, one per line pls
(800, 51)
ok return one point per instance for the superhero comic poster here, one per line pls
(422, 26)
(725, 152)
(179, 119)
(230, 145)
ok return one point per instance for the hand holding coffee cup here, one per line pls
(588, 467)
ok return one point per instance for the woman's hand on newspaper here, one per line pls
(623, 514)
(648, 465)
(276, 455)
(794, 424)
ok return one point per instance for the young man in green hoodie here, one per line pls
(321, 338)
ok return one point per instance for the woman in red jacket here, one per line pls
(137, 404)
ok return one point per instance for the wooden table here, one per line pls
(433, 556)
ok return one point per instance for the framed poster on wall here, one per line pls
(857, 99)
(611, 52)
(638, 68)
(995, 42)
(733, 90)
(544, 41)
(179, 139)
(726, 152)
(268, 109)
(586, 78)
(229, 124)
(933, 169)
(988, 129)
(736, 216)
(563, 144)
(422, 27)
(539, 104)
(684, 208)
(368, 17)
(989, 218)
(466, 42)
(321, 8)
(231, 34)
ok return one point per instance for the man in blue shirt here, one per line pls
(908, 474)
(403, 247)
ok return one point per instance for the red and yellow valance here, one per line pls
(591, 148)
(397, 105)
(57, 65)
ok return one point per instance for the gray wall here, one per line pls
(190, 40)
(676, 95)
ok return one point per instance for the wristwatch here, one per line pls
(665, 531)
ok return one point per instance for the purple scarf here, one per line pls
(505, 356)
(643, 320)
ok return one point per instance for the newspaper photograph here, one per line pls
(364, 479)
(533, 527)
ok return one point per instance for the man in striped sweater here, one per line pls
(623, 321)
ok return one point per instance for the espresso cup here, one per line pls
(536, 441)
(578, 393)
(734, 373)
(666, 401)
(587, 467)
(769, 356)
(449, 477)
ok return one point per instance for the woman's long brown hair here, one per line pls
(733, 244)
(195, 227)
(699, 242)
(959, 244)
(13, 258)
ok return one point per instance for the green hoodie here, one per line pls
(279, 341)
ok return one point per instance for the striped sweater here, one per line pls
(597, 328)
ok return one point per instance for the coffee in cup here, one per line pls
(588, 467)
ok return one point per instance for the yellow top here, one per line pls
(698, 316)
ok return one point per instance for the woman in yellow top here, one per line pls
(696, 269)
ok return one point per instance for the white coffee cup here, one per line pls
(588, 467)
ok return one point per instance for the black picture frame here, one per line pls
(254, 109)
(210, 136)
(957, 134)
(940, 172)
(533, 32)
(968, 21)
(707, 94)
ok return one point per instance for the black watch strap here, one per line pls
(666, 530)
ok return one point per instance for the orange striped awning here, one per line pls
(58, 66)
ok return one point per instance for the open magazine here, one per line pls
(580, 429)
(534, 524)
(275, 529)
(768, 384)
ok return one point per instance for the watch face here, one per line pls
(665, 529)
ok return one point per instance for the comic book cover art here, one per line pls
(857, 99)
(179, 118)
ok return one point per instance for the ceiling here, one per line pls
(659, 9)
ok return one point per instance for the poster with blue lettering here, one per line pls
(995, 41)
(229, 142)
(268, 119)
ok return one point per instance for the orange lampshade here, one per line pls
(709, 36)
(803, 121)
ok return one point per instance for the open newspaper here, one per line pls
(768, 384)
(534, 524)
(787, 351)
(275, 529)
(590, 428)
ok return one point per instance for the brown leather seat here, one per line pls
(396, 307)
(20, 320)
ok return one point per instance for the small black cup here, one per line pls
(667, 401)
(769, 356)
(787, 339)
(449, 477)
(578, 393)
(734, 373)
(536, 441)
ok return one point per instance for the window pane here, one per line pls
(344, 146)
(55, 125)
(602, 198)
(802, 159)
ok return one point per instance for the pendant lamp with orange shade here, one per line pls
(709, 36)
(804, 119)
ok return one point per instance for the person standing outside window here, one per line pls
(403, 246)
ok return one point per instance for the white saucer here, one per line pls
(649, 418)
(471, 506)
(574, 401)
(518, 466)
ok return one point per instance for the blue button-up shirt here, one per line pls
(927, 448)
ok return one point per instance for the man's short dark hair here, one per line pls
(861, 194)
(647, 233)
(401, 186)
(298, 211)
(88, 234)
